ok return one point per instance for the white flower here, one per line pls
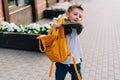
(47, 26)
(21, 28)
(30, 29)
(34, 26)
(4, 23)
(36, 32)
(10, 29)
(51, 23)
(15, 27)
(29, 32)
(60, 16)
(43, 29)
(54, 19)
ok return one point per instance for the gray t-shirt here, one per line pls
(74, 47)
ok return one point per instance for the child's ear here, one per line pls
(67, 14)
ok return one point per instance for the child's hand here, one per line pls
(57, 25)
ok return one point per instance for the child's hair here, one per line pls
(75, 6)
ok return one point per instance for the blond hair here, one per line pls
(75, 6)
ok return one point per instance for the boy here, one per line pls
(72, 29)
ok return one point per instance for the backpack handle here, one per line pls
(54, 30)
(41, 42)
(40, 46)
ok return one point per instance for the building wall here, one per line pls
(22, 16)
(1, 12)
(61, 0)
(41, 6)
(51, 2)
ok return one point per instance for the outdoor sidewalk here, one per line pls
(100, 41)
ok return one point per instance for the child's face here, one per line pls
(75, 15)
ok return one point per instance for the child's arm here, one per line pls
(69, 25)
(72, 24)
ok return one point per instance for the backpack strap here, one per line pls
(75, 67)
(51, 69)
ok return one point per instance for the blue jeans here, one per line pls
(62, 69)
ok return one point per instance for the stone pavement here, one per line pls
(100, 42)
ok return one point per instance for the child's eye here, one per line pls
(75, 14)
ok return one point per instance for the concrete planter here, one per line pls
(1, 39)
(52, 13)
(19, 41)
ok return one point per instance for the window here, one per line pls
(11, 2)
(14, 8)
(26, 1)
(18, 2)
(22, 2)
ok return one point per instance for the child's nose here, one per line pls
(77, 17)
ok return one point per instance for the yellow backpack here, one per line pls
(55, 46)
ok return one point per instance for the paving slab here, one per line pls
(100, 42)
